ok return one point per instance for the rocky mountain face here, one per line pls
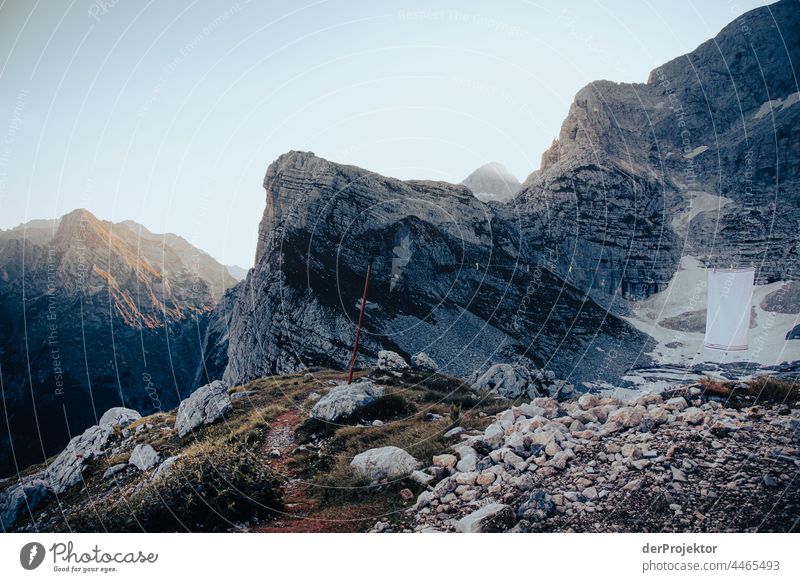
(95, 315)
(698, 166)
(702, 160)
(492, 181)
(451, 278)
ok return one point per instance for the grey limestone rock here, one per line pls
(344, 400)
(206, 405)
(67, 469)
(144, 457)
(384, 464)
(118, 416)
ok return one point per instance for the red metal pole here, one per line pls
(360, 322)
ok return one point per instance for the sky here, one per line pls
(169, 113)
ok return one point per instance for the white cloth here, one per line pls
(730, 294)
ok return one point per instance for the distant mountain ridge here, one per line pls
(96, 314)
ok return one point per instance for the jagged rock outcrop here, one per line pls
(492, 181)
(67, 469)
(450, 277)
(702, 159)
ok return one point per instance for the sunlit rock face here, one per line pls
(94, 315)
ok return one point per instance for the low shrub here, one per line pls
(209, 490)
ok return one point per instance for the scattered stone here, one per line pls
(485, 478)
(589, 401)
(445, 460)
(633, 485)
(626, 416)
(495, 517)
(538, 506)
(236, 396)
(114, 469)
(67, 470)
(506, 381)
(18, 500)
(454, 432)
(677, 403)
(678, 475)
(423, 361)
(693, 415)
(467, 464)
(389, 361)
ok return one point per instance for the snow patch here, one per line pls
(775, 104)
(696, 152)
(698, 202)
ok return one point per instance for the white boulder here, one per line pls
(119, 416)
(144, 457)
(205, 406)
(384, 464)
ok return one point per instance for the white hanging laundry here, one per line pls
(730, 294)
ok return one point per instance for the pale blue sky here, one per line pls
(168, 113)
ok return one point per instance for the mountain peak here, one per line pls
(492, 181)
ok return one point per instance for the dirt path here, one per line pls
(301, 511)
